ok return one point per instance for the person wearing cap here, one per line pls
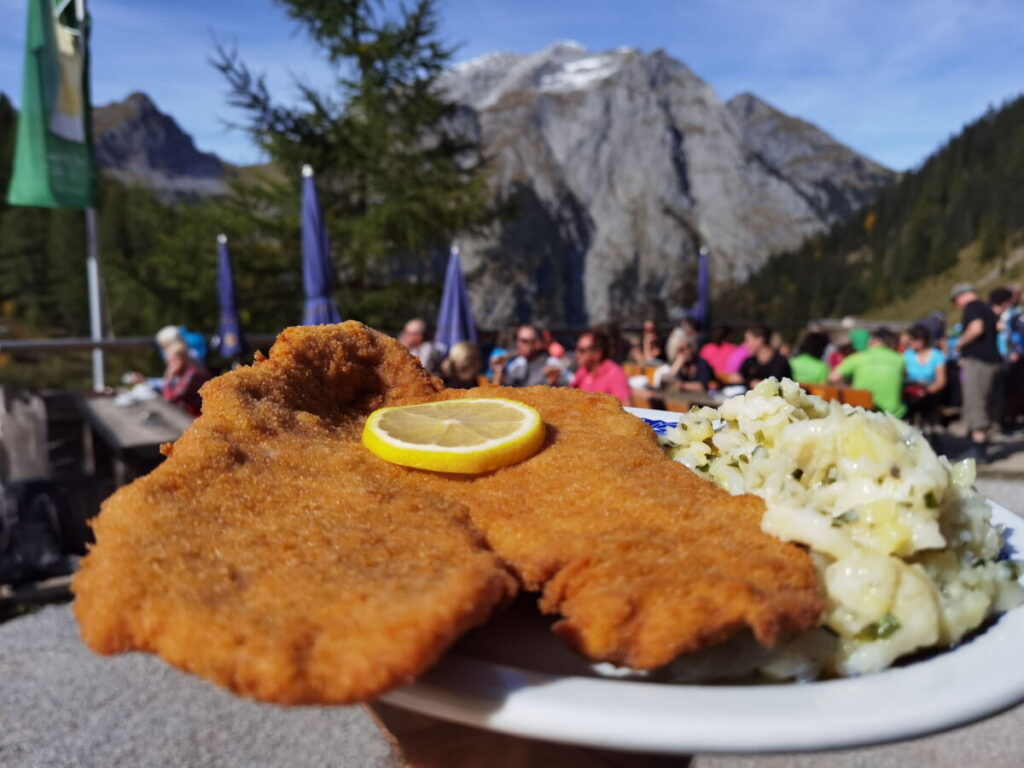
(860, 339)
(878, 369)
(981, 364)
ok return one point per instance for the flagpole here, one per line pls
(92, 259)
(92, 271)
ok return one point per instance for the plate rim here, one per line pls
(687, 719)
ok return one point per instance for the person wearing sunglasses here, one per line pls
(595, 371)
(531, 364)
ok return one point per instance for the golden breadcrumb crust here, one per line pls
(273, 554)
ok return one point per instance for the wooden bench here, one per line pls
(848, 395)
(857, 398)
(824, 391)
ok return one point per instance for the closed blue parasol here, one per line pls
(317, 273)
(229, 334)
(702, 309)
(455, 318)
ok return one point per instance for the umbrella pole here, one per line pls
(92, 271)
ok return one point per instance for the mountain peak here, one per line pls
(808, 156)
(141, 102)
(620, 164)
(138, 143)
(562, 67)
(566, 46)
(748, 104)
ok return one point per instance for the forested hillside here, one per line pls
(969, 193)
(395, 189)
(158, 260)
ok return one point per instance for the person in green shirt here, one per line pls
(879, 370)
(807, 366)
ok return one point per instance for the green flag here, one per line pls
(53, 164)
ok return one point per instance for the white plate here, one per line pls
(515, 677)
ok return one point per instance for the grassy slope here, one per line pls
(933, 293)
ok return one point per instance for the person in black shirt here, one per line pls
(690, 373)
(764, 362)
(981, 363)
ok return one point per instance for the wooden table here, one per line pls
(139, 429)
(672, 400)
(680, 402)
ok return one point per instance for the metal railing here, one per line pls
(15, 346)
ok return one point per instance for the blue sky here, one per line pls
(891, 78)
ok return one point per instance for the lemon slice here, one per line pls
(466, 436)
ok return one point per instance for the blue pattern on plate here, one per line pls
(661, 427)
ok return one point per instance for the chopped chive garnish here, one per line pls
(887, 627)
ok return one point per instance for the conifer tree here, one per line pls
(396, 179)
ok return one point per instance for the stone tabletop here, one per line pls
(62, 706)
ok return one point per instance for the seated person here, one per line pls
(194, 341)
(415, 337)
(461, 369)
(688, 328)
(503, 344)
(719, 350)
(596, 372)
(689, 372)
(879, 370)
(531, 366)
(808, 366)
(652, 350)
(182, 379)
(554, 346)
(763, 361)
(925, 368)
(840, 349)
(635, 351)
(731, 370)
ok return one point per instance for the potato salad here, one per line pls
(907, 556)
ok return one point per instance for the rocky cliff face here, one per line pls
(620, 165)
(137, 143)
(834, 179)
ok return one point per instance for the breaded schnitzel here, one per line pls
(274, 555)
(268, 554)
(642, 559)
